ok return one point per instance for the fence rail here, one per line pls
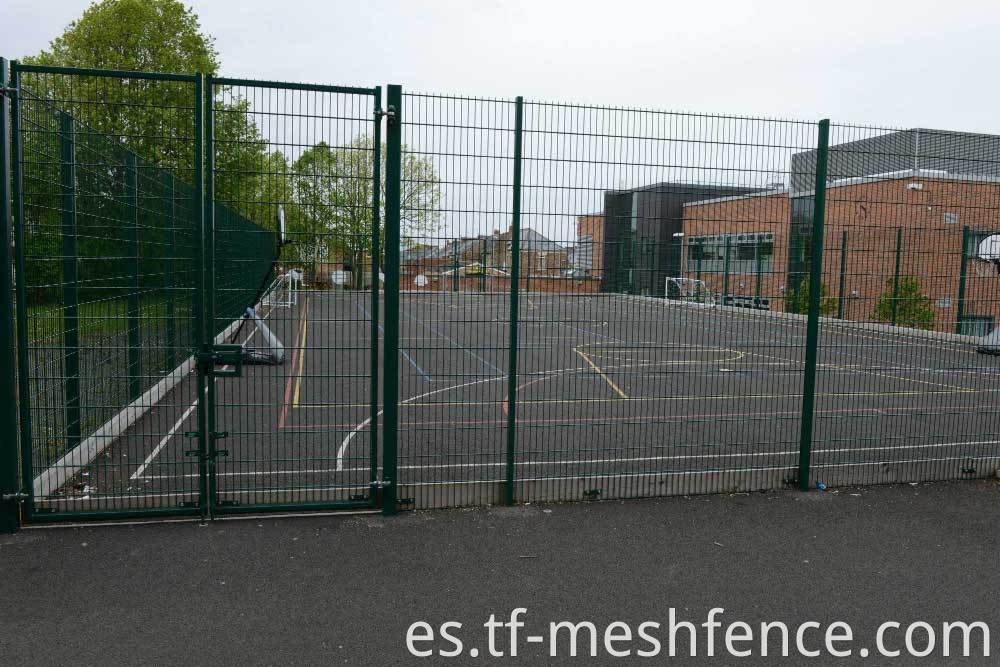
(506, 301)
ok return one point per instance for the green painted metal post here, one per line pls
(132, 249)
(170, 251)
(843, 275)
(963, 269)
(10, 510)
(201, 337)
(71, 314)
(515, 274)
(725, 272)
(482, 269)
(390, 390)
(454, 265)
(759, 268)
(697, 264)
(812, 324)
(376, 249)
(895, 275)
(21, 294)
(211, 434)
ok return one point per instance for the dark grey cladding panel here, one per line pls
(953, 152)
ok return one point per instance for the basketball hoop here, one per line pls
(987, 261)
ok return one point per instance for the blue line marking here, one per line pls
(427, 377)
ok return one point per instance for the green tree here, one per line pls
(913, 307)
(797, 300)
(333, 197)
(153, 118)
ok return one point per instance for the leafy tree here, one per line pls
(153, 118)
(797, 300)
(333, 196)
(913, 307)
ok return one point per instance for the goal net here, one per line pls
(688, 289)
(283, 292)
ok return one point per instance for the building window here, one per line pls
(976, 325)
(707, 254)
(950, 218)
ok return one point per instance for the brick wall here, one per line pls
(931, 212)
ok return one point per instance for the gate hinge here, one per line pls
(7, 90)
(17, 497)
(380, 483)
(389, 113)
(592, 494)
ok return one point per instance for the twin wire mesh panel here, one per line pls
(302, 432)
(594, 302)
(106, 232)
(903, 398)
(119, 291)
(614, 392)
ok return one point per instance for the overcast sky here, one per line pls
(901, 64)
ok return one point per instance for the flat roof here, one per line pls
(932, 174)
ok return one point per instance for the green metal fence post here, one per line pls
(895, 275)
(515, 274)
(725, 272)
(376, 248)
(21, 293)
(10, 514)
(390, 391)
(963, 268)
(132, 248)
(758, 270)
(482, 269)
(168, 271)
(211, 434)
(71, 323)
(812, 325)
(199, 301)
(697, 264)
(454, 265)
(843, 275)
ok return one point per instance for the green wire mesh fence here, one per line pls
(503, 301)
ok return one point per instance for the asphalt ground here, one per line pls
(344, 589)
(608, 387)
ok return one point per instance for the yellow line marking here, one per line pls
(598, 370)
(302, 356)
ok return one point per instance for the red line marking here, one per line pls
(295, 359)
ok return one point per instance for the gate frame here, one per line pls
(213, 506)
(17, 498)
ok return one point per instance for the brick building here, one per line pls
(928, 223)
(588, 256)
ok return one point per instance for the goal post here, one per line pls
(688, 289)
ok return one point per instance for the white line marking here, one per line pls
(170, 434)
(572, 462)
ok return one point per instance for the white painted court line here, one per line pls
(572, 462)
(163, 442)
(187, 413)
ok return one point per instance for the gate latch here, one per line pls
(223, 355)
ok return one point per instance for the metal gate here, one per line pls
(296, 425)
(195, 266)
